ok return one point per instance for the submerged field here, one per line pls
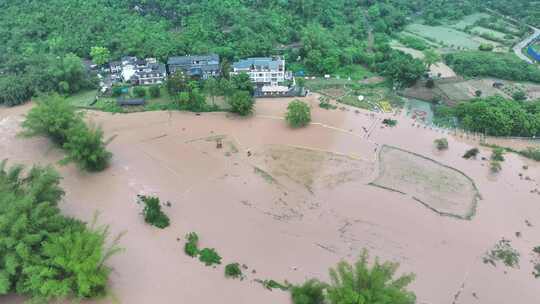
(291, 203)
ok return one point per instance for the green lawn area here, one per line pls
(82, 99)
(355, 71)
(444, 35)
(469, 20)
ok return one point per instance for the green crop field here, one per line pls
(444, 35)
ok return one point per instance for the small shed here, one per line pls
(131, 101)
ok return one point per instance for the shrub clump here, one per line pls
(191, 247)
(358, 283)
(298, 114)
(472, 153)
(152, 212)
(497, 154)
(233, 270)
(503, 252)
(55, 118)
(441, 144)
(209, 256)
(389, 122)
(44, 254)
(311, 292)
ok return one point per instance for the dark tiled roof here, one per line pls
(130, 101)
(258, 63)
(188, 60)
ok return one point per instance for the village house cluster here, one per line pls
(268, 74)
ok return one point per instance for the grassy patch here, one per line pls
(82, 99)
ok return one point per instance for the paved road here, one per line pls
(519, 47)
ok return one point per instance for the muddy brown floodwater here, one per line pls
(294, 207)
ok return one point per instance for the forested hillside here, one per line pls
(37, 37)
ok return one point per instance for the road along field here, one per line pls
(291, 203)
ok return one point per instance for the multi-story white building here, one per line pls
(263, 71)
(138, 71)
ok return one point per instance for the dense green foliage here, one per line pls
(241, 102)
(495, 116)
(152, 212)
(311, 292)
(360, 283)
(44, 254)
(499, 65)
(298, 114)
(209, 256)
(233, 270)
(55, 118)
(42, 41)
(389, 122)
(191, 246)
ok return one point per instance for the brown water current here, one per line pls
(288, 222)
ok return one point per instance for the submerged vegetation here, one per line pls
(358, 283)
(152, 212)
(56, 119)
(44, 254)
(298, 114)
(503, 252)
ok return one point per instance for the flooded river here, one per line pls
(291, 222)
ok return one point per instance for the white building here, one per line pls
(263, 71)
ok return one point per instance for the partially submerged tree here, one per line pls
(241, 102)
(43, 254)
(298, 114)
(360, 283)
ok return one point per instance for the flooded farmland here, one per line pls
(289, 204)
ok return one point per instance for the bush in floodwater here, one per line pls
(209, 256)
(152, 212)
(495, 166)
(441, 144)
(191, 247)
(298, 114)
(503, 252)
(497, 154)
(472, 153)
(311, 292)
(233, 271)
(352, 283)
(389, 122)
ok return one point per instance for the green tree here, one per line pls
(176, 83)
(44, 254)
(55, 118)
(241, 82)
(86, 147)
(360, 283)
(155, 91)
(139, 91)
(431, 57)
(100, 55)
(298, 114)
(311, 292)
(241, 102)
(211, 87)
(519, 95)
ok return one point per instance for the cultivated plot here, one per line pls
(440, 188)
